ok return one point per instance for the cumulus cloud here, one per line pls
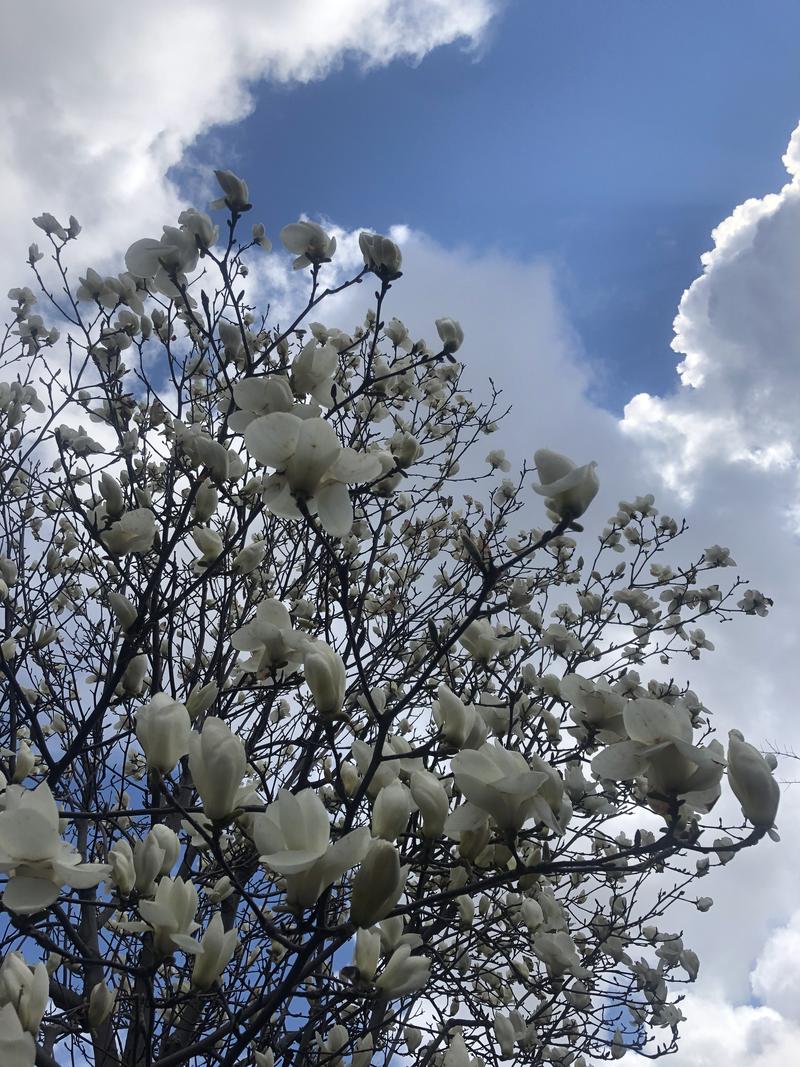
(738, 331)
(99, 104)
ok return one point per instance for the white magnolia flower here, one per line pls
(378, 884)
(309, 242)
(481, 641)
(594, 706)
(660, 748)
(752, 782)
(216, 948)
(250, 558)
(311, 466)
(170, 916)
(391, 811)
(461, 724)
(34, 854)
(450, 334)
(313, 371)
(217, 763)
(271, 639)
(569, 489)
(134, 532)
(325, 676)
(51, 226)
(403, 973)
(210, 544)
(430, 797)
(557, 951)
(381, 255)
(101, 1004)
(163, 728)
(260, 396)
(499, 782)
(17, 1048)
(201, 226)
(456, 1054)
(293, 839)
(26, 988)
(236, 194)
(201, 698)
(367, 953)
(164, 262)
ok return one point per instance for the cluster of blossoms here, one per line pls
(306, 760)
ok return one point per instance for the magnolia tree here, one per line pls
(309, 757)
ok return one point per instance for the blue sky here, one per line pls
(608, 137)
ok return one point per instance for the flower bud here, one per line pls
(377, 885)
(162, 729)
(752, 782)
(325, 675)
(367, 953)
(391, 811)
(451, 335)
(216, 948)
(217, 763)
(431, 799)
(101, 1004)
(381, 255)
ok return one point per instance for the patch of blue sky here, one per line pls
(608, 138)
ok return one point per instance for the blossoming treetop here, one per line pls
(307, 759)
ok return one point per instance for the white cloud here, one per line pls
(99, 102)
(738, 330)
(776, 976)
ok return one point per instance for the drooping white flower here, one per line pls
(594, 706)
(456, 1054)
(752, 782)
(215, 951)
(293, 839)
(197, 223)
(51, 226)
(163, 727)
(259, 396)
(250, 558)
(311, 466)
(569, 489)
(557, 951)
(326, 677)
(34, 854)
(367, 953)
(309, 242)
(313, 370)
(217, 763)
